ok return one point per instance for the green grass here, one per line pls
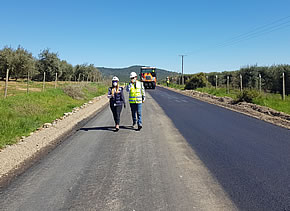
(173, 85)
(273, 101)
(22, 114)
(220, 92)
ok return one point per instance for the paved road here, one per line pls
(189, 156)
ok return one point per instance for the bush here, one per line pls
(247, 95)
(196, 81)
(74, 91)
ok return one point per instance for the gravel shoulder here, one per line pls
(16, 158)
(260, 112)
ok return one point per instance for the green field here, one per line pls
(23, 113)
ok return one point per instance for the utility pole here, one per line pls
(182, 77)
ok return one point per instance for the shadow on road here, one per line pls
(108, 128)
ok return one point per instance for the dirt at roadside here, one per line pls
(250, 109)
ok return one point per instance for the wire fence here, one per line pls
(13, 87)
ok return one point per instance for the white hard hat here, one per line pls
(115, 78)
(133, 75)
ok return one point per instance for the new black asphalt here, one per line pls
(248, 157)
(190, 155)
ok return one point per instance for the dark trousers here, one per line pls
(116, 110)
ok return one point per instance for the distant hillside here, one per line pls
(123, 73)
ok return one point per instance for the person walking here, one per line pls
(167, 81)
(136, 98)
(117, 100)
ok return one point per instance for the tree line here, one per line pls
(271, 78)
(22, 64)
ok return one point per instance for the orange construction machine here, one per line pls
(148, 77)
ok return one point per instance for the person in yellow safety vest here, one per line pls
(136, 98)
(167, 81)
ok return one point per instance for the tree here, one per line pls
(23, 64)
(80, 71)
(86, 71)
(67, 71)
(50, 64)
(6, 61)
(250, 76)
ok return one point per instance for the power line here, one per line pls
(258, 28)
(256, 32)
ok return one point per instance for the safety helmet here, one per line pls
(133, 75)
(115, 78)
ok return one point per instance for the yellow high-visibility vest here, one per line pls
(135, 95)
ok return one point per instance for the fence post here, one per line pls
(216, 83)
(283, 76)
(6, 82)
(43, 85)
(260, 83)
(27, 81)
(55, 81)
(207, 81)
(228, 84)
(241, 82)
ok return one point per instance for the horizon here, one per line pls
(215, 36)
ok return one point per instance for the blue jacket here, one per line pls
(118, 99)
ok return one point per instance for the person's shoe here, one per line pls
(134, 124)
(139, 127)
(117, 129)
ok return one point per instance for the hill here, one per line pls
(123, 73)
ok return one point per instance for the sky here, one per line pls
(215, 35)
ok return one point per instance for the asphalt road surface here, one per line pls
(190, 155)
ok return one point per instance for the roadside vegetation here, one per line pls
(173, 85)
(270, 100)
(260, 85)
(34, 91)
(23, 113)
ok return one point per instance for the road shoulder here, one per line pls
(16, 158)
(259, 112)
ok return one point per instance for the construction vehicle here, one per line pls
(148, 77)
